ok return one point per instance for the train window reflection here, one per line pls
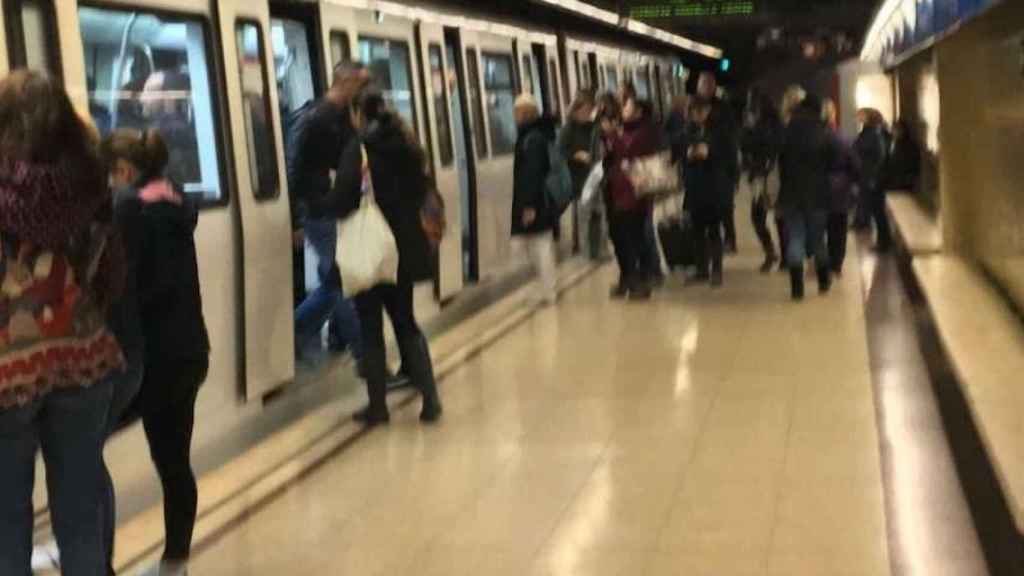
(556, 92)
(259, 134)
(476, 103)
(501, 96)
(149, 71)
(643, 88)
(439, 87)
(293, 64)
(391, 68)
(32, 35)
(613, 79)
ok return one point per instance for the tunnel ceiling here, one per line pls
(758, 35)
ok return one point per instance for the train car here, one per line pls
(225, 77)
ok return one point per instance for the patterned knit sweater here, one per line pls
(57, 270)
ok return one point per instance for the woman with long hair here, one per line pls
(176, 344)
(397, 167)
(60, 269)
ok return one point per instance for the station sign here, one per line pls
(654, 9)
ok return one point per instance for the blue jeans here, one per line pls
(326, 302)
(70, 426)
(805, 234)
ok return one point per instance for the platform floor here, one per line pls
(719, 433)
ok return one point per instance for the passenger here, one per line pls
(676, 126)
(60, 270)
(578, 140)
(760, 152)
(177, 347)
(723, 124)
(319, 133)
(167, 106)
(627, 214)
(627, 92)
(807, 157)
(843, 179)
(872, 150)
(904, 166)
(399, 171)
(532, 217)
(708, 188)
(791, 98)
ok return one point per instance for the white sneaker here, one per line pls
(45, 557)
(166, 569)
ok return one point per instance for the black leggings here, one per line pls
(629, 237)
(168, 404)
(397, 300)
(835, 235)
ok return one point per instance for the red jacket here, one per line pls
(639, 138)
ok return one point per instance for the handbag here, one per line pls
(593, 184)
(653, 175)
(368, 253)
(433, 220)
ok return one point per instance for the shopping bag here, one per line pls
(368, 253)
(593, 184)
(654, 175)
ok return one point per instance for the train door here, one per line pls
(262, 197)
(491, 92)
(464, 157)
(448, 174)
(532, 76)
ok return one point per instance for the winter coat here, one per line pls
(709, 182)
(844, 177)
(904, 165)
(676, 129)
(123, 316)
(400, 184)
(315, 139)
(872, 152)
(60, 266)
(760, 145)
(725, 132)
(639, 138)
(807, 157)
(572, 139)
(532, 164)
(167, 280)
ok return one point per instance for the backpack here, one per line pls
(558, 183)
(295, 126)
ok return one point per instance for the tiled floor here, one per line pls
(705, 433)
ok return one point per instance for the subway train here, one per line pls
(222, 78)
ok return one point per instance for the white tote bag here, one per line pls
(592, 186)
(367, 251)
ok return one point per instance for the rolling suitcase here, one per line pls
(677, 242)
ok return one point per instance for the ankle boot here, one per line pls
(824, 280)
(375, 368)
(416, 358)
(796, 282)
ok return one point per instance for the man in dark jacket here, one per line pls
(723, 124)
(532, 215)
(708, 190)
(321, 131)
(807, 157)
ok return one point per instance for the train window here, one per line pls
(391, 68)
(441, 111)
(613, 79)
(150, 71)
(643, 90)
(293, 65)
(476, 101)
(556, 92)
(259, 133)
(528, 70)
(585, 79)
(32, 35)
(501, 96)
(340, 47)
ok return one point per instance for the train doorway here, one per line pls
(464, 159)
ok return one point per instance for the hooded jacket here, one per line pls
(400, 184)
(532, 165)
(59, 269)
(167, 281)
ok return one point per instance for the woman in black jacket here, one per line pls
(397, 167)
(807, 157)
(176, 344)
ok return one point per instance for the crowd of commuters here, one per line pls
(101, 321)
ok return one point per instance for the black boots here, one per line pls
(796, 282)
(824, 279)
(375, 368)
(416, 359)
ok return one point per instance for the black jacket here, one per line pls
(532, 165)
(725, 131)
(574, 138)
(709, 182)
(170, 304)
(123, 315)
(872, 152)
(807, 157)
(317, 135)
(400, 182)
(904, 165)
